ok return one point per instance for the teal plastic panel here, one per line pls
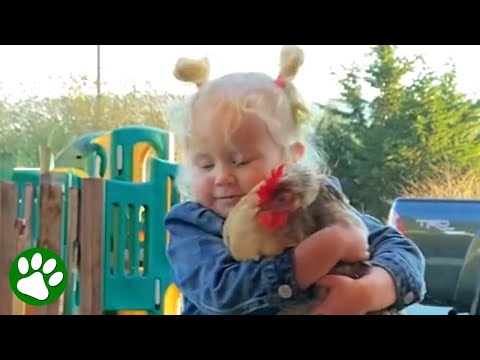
(135, 279)
(123, 141)
(23, 177)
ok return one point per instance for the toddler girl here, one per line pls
(236, 129)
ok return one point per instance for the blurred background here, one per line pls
(391, 120)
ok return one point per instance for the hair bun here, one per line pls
(291, 58)
(192, 70)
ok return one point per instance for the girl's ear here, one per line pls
(297, 150)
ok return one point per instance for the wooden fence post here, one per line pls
(91, 228)
(24, 240)
(72, 246)
(50, 233)
(8, 246)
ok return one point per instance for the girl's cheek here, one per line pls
(254, 174)
(202, 185)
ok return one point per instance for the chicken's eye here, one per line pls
(283, 198)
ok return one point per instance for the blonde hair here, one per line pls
(276, 101)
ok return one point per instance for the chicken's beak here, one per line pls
(296, 204)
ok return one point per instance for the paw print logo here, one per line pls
(38, 276)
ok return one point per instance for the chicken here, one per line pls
(280, 212)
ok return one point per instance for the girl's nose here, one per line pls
(224, 177)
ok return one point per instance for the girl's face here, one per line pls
(225, 168)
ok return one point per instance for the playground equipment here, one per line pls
(130, 150)
(83, 157)
(138, 172)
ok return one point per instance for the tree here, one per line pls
(56, 122)
(404, 134)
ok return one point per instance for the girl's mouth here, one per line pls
(228, 197)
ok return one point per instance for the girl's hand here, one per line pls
(372, 292)
(345, 296)
(321, 251)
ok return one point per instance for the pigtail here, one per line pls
(193, 71)
(291, 58)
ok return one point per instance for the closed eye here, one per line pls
(241, 163)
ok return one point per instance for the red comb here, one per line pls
(265, 191)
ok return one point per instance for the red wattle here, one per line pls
(274, 220)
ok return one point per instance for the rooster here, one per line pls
(291, 204)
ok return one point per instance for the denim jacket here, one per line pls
(212, 282)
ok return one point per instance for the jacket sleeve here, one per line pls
(398, 255)
(213, 281)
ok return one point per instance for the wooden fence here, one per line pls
(83, 241)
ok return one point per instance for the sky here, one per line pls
(27, 70)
